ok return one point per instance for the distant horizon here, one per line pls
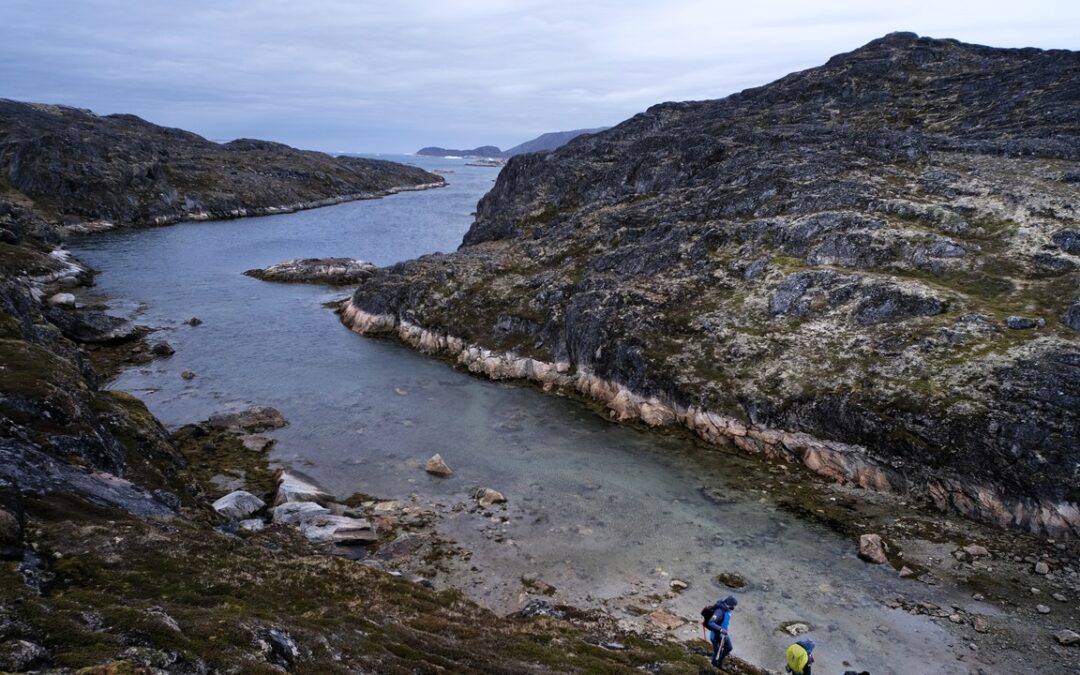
(338, 76)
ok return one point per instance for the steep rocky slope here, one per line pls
(79, 167)
(872, 267)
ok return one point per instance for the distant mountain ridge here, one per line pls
(548, 141)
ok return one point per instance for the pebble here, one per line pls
(1042, 609)
(1060, 597)
(1042, 568)
(678, 585)
(978, 596)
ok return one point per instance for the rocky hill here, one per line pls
(871, 267)
(82, 168)
(542, 143)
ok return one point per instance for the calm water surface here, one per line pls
(606, 514)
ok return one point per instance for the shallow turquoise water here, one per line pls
(595, 509)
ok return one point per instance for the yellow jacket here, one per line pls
(797, 658)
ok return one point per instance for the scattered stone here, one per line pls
(872, 549)
(976, 551)
(294, 513)
(795, 628)
(256, 443)
(254, 419)
(1042, 568)
(437, 466)
(68, 282)
(678, 585)
(1042, 609)
(1067, 637)
(614, 646)
(338, 530)
(956, 618)
(163, 617)
(486, 497)
(665, 620)
(980, 625)
(294, 487)
(194, 321)
(251, 525)
(238, 505)
(187, 375)
(906, 572)
(978, 597)
(162, 348)
(1020, 322)
(1060, 597)
(62, 300)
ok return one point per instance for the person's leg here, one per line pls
(726, 649)
(716, 647)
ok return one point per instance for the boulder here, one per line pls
(665, 620)
(329, 528)
(796, 628)
(17, 656)
(90, 326)
(872, 549)
(162, 348)
(295, 487)
(295, 513)
(540, 607)
(62, 300)
(1020, 322)
(187, 374)
(256, 418)
(238, 505)
(1067, 637)
(436, 466)
(486, 496)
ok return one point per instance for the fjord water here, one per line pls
(606, 514)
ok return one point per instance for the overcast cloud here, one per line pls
(396, 75)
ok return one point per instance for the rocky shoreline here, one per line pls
(836, 461)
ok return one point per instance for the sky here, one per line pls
(396, 75)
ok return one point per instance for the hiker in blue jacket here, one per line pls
(718, 625)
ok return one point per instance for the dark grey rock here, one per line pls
(276, 646)
(90, 326)
(162, 348)
(540, 607)
(1071, 317)
(254, 419)
(1068, 241)
(1021, 322)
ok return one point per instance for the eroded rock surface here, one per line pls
(821, 268)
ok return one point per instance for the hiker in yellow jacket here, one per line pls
(800, 656)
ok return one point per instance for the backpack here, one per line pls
(707, 612)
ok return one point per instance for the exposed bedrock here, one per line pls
(832, 267)
(332, 271)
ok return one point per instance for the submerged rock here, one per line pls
(162, 348)
(334, 271)
(256, 418)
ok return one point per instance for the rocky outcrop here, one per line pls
(333, 271)
(542, 143)
(96, 171)
(823, 267)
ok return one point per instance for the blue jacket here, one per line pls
(720, 620)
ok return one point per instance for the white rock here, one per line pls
(294, 513)
(1042, 568)
(976, 551)
(62, 300)
(238, 505)
(339, 530)
(678, 585)
(796, 629)
(256, 443)
(437, 466)
(292, 487)
(1042, 609)
(251, 525)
